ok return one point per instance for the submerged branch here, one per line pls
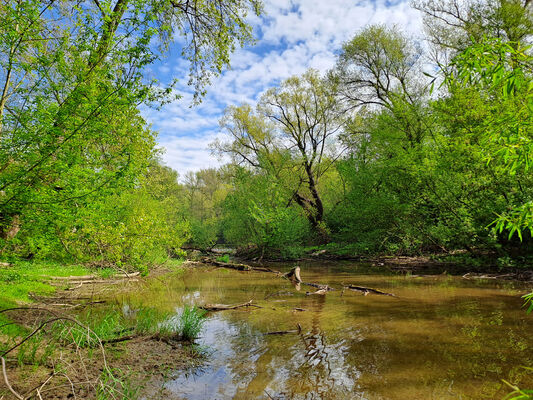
(222, 307)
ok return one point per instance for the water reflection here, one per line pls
(441, 338)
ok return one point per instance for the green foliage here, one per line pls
(528, 301)
(256, 214)
(224, 258)
(117, 385)
(76, 155)
(517, 393)
(502, 72)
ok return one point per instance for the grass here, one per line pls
(224, 258)
(191, 322)
(21, 278)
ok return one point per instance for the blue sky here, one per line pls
(293, 36)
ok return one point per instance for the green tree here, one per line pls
(291, 136)
(71, 79)
(501, 73)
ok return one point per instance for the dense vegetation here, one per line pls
(404, 147)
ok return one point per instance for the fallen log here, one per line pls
(90, 277)
(238, 267)
(280, 293)
(320, 292)
(222, 307)
(293, 274)
(298, 331)
(319, 286)
(471, 275)
(366, 290)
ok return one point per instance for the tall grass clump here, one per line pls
(191, 322)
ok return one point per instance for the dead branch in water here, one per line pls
(298, 331)
(279, 293)
(366, 290)
(222, 307)
(238, 267)
(293, 274)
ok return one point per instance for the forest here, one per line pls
(406, 147)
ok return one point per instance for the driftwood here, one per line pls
(280, 293)
(320, 292)
(238, 267)
(293, 275)
(298, 331)
(90, 277)
(471, 275)
(366, 290)
(222, 307)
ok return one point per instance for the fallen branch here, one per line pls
(319, 286)
(238, 267)
(280, 293)
(320, 292)
(293, 274)
(222, 307)
(298, 331)
(121, 339)
(366, 290)
(470, 275)
(91, 277)
(6, 381)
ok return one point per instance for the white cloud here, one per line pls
(294, 36)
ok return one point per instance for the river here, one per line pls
(440, 337)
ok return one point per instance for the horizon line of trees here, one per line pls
(399, 149)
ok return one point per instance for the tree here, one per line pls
(291, 136)
(501, 72)
(379, 69)
(72, 77)
(453, 25)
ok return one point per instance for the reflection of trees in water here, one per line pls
(359, 347)
(307, 366)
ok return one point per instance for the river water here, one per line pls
(441, 337)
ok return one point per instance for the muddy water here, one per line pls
(442, 337)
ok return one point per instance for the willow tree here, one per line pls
(289, 135)
(72, 75)
(454, 25)
(379, 70)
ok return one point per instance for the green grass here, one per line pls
(21, 278)
(224, 258)
(191, 322)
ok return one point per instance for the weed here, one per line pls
(224, 258)
(191, 322)
(115, 384)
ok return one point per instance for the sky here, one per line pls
(292, 36)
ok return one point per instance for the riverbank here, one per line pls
(60, 336)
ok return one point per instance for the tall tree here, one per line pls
(290, 135)
(379, 69)
(453, 25)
